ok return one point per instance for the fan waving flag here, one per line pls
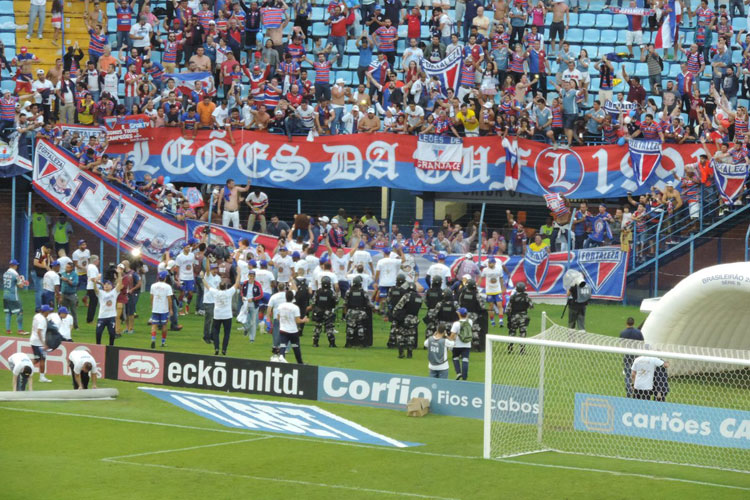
(188, 82)
(730, 179)
(645, 158)
(438, 152)
(556, 205)
(272, 17)
(666, 37)
(447, 71)
(512, 169)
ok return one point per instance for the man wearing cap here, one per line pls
(370, 123)
(282, 263)
(439, 270)
(63, 321)
(51, 284)
(43, 90)
(11, 301)
(22, 368)
(37, 340)
(162, 309)
(68, 289)
(350, 120)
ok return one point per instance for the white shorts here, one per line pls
(633, 37)
(57, 25)
(232, 219)
(695, 210)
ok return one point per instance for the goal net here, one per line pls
(572, 391)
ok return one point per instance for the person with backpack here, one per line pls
(437, 346)
(406, 313)
(578, 298)
(518, 318)
(463, 331)
(323, 307)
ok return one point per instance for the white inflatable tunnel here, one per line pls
(709, 308)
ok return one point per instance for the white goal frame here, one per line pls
(542, 343)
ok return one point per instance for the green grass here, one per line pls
(58, 449)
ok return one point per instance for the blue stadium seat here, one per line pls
(8, 85)
(400, 46)
(674, 70)
(736, 57)
(402, 29)
(608, 37)
(320, 30)
(591, 36)
(344, 62)
(573, 19)
(595, 84)
(351, 47)
(425, 32)
(346, 75)
(593, 52)
(621, 37)
(704, 86)
(739, 23)
(112, 25)
(603, 20)
(657, 100)
(689, 38)
(111, 10)
(586, 21)
(318, 14)
(641, 69)
(8, 39)
(353, 62)
(574, 35)
(619, 21)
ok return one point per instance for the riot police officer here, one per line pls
(356, 304)
(406, 311)
(302, 299)
(395, 293)
(323, 307)
(470, 299)
(446, 309)
(432, 298)
(518, 319)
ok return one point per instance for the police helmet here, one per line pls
(437, 282)
(471, 284)
(357, 281)
(520, 286)
(400, 279)
(325, 282)
(447, 295)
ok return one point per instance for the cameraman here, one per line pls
(578, 299)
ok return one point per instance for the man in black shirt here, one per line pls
(629, 333)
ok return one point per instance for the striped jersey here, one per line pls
(694, 62)
(204, 16)
(387, 38)
(97, 43)
(740, 129)
(323, 71)
(296, 51)
(124, 18)
(516, 62)
(8, 109)
(170, 52)
(271, 17)
(271, 98)
(650, 131)
(557, 119)
(468, 75)
(156, 71)
(690, 188)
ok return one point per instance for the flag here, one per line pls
(194, 197)
(187, 82)
(271, 17)
(378, 70)
(667, 34)
(645, 158)
(12, 163)
(730, 179)
(438, 152)
(556, 205)
(447, 71)
(631, 11)
(512, 169)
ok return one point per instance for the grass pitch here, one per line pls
(141, 447)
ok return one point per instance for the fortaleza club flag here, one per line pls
(604, 268)
(387, 160)
(193, 82)
(645, 159)
(667, 34)
(93, 204)
(730, 179)
(116, 129)
(229, 236)
(447, 71)
(438, 152)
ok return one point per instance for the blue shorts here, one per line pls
(48, 297)
(496, 298)
(264, 301)
(188, 286)
(159, 319)
(39, 352)
(383, 291)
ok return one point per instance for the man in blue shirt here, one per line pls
(68, 288)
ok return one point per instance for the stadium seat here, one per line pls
(402, 29)
(736, 56)
(351, 47)
(320, 30)
(641, 70)
(425, 32)
(111, 10)
(318, 14)
(112, 25)
(619, 21)
(586, 21)
(657, 100)
(674, 70)
(353, 62)
(621, 37)
(591, 36)
(608, 37)
(573, 19)
(345, 75)
(574, 35)
(704, 86)
(8, 39)
(603, 20)
(592, 50)
(739, 23)
(688, 39)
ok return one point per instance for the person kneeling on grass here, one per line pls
(21, 367)
(161, 307)
(288, 315)
(437, 352)
(82, 366)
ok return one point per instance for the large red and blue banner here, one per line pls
(730, 179)
(229, 236)
(388, 160)
(93, 204)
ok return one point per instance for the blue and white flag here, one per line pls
(730, 179)
(448, 71)
(188, 82)
(645, 158)
(11, 163)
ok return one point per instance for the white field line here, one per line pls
(384, 448)
(158, 452)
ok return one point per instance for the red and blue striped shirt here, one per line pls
(204, 16)
(386, 38)
(8, 109)
(124, 18)
(468, 75)
(271, 98)
(323, 72)
(170, 52)
(515, 62)
(740, 129)
(271, 17)
(96, 43)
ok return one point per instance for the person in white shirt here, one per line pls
(386, 271)
(82, 366)
(362, 256)
(81, 256)
(213, 279)
(63, 321)
(221, 115)
(63, 259)
(257, 200)
(51, 285)
(325, 270)
(37, 340)
(288, 316)
(440, 270)
(494, 287)
(461, 349)
(265, 278)
(642, 375)
(140, 34)
(360, 271)
(185, 262)
(21, 367)
(437, 346)
(340, 266)
(312, 263)
(223, 298)
(161, 307)
(283, 263)
(106, 294)
(274, 302)
(92, 274)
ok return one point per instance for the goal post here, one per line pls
(571, 391)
